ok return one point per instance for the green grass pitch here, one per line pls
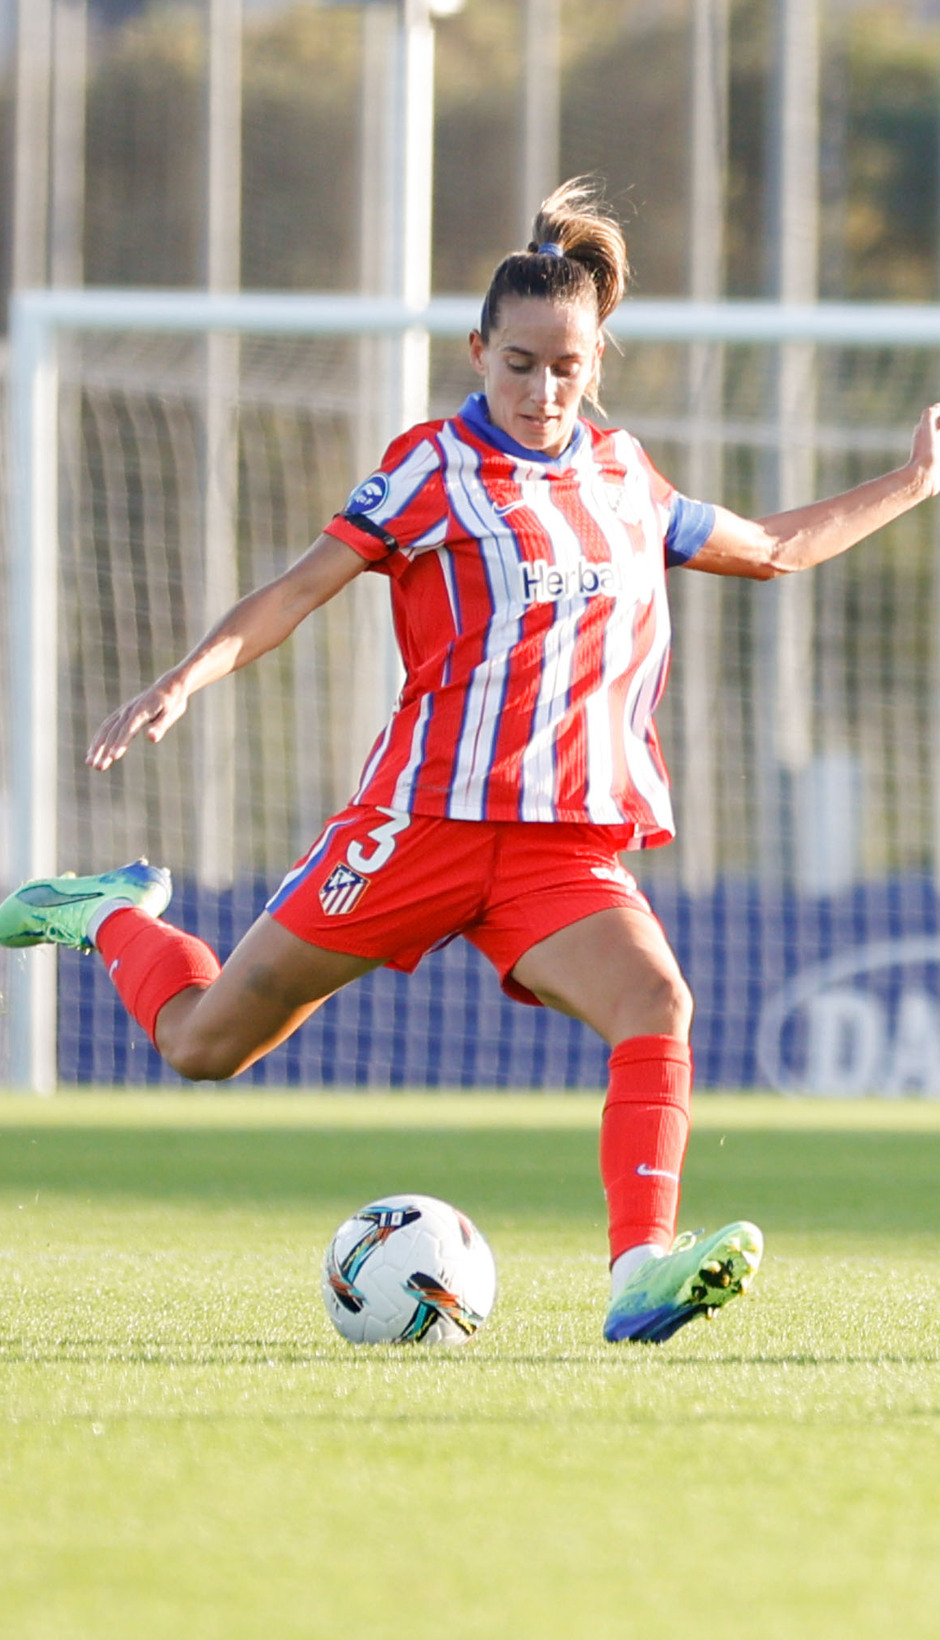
(187, 1449)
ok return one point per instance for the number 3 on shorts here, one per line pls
(383, 837)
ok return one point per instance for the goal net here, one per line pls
(162, 472)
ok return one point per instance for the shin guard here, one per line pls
(644, 1134)
(149, 962)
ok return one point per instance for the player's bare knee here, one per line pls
(663, 1006)
(683, 1008)
(199, 1059)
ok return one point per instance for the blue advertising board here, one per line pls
(836, 995)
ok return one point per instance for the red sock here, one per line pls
(150, 962)
(644, 1133)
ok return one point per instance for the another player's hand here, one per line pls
(155, 710)
(925, 451)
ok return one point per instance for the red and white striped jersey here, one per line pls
(529, 602)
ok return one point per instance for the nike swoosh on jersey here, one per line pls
(648, 1172)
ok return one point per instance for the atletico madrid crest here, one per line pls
(342, 889)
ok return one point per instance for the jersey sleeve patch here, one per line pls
(690, 525)
(369, 496)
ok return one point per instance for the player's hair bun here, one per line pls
(575, 218)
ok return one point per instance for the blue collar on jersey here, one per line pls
(475, 412)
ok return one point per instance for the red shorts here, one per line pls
(390, 886)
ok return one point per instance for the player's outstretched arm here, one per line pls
(256, 624)
(767, 547)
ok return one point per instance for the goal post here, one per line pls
(49, 406)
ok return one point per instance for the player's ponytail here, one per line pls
(575, 219)
(577, 253)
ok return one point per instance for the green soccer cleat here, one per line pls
(695, 1278)
(57, 910)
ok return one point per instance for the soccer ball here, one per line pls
(406, 1269)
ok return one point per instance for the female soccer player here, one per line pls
(526, 550)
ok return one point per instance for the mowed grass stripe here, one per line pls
(810, 1178)
(234, 1109)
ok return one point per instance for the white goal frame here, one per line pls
(40, 318)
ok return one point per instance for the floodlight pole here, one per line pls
(395, 190)
(34, 665)
(67, 144)
(541, 108)
(395, 193)
(701, 602)
(30, 985)
(787, 726)
(409, 247)
(31, 143)
(214, 780)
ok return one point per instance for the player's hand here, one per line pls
(154, 711)
(925, 450)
